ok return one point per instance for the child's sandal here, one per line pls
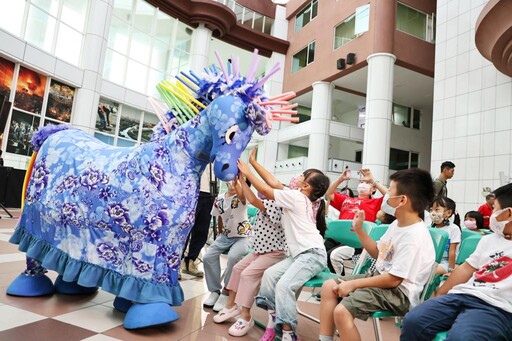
(269, 335)
(241, 327)
(226, 314)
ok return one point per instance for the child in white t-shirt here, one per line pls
(405, 258)
(234, 228)
(443, 208)
(304, 235)
(475, 303)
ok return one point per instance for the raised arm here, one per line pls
(369, 244)
(329, 194)
(263, 173)
(239, 193)
(260, 186)
(249, 194)
(380, 187)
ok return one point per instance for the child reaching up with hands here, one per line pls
(304, 234)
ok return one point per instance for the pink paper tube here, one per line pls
(254, 65)
(274, 103)
(286, 112)
(288, 119)
(281, 96)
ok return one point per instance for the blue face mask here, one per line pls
(385, 205)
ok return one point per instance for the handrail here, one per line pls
(249, 17)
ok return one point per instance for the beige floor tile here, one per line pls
(97, 318)
(12, 317)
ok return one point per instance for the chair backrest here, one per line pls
(342, 232)
(440, 239)
(467, 247)
(251, 211)
(467, 233)
(378, 231)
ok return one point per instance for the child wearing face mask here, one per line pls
(475, 303)
(404, 261)
(346, 205)
(442, 209)
(474, 221)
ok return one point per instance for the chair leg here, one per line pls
(376, 328)
(300, 312)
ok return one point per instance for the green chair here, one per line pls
(365, 261)
(439, 238)
(251, 213)
(342, 232)
(465, 233)
(467, 247)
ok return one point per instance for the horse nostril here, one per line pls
(225, 166)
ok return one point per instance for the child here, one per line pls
(234, 228)
(442, 209)
(474, 220)
(475, 303)
(404, 261)
(303, 230)
(269, 249)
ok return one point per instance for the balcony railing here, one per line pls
(248, 17)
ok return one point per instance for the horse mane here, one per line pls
(190, 93)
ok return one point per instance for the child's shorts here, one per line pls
(362, 302)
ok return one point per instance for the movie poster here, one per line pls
(60, 101)
(6, 77)
(29, 91)
(22, 128)
(107, 116)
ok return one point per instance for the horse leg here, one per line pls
(143, 315)
(122, 304)
(72, 288)
(31, 282)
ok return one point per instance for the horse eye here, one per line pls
(230, 133)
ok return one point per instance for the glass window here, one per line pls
(150, 120)
(114, 66)
(118, 35)
(123, 9)
(401, 115)
(416, 119)
(344, 32)
(303, 58)
(398, 159)
(296, 151)
(411, 21)
(143, 17)
(306, 15)
(136, 74)
(40, 28)
(164, 27)
(154, 77)
(11, 17)
(139, 47)
(106, 119)
(414, 160)
(129, 123)
(50, 6)
(69, 44)
(160, 55)
(74, 13)
(362, 19)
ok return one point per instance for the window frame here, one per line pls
(312, 14)
(307, 49)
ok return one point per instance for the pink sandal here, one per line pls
(269, 335)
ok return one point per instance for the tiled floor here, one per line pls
(92, 317)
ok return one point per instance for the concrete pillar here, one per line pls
(379, 110)
(321, 110)
(200, 48)
(93, 58)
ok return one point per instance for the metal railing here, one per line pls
(248, 17)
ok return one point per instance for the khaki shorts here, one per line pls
(362, 302)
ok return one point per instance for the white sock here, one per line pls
(325, 338)
(271, 319)
(287, 335)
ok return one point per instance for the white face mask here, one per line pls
(364, 189)
(437, 218)
(385, 205)
(498, 226)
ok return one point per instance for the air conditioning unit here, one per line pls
(336, 165)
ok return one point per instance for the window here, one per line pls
(406, 116)
(401, 159)
(296, 151)
(306, 15)
(303, 58)
(415, 23)
(353, 26)
(359, 156)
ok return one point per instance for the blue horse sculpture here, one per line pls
(118, 218)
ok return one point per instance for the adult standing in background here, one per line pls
(486, 209)
(447, 171)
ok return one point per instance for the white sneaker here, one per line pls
(221, 303)
(226, 314)
(211, 300)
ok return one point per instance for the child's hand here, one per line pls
(359, 216)
(345, 175)
(343, 289)
(366, 172)
(243, 168)
(252, 157)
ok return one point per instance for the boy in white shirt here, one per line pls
(475, 303)
(234, 228)
(405, 257)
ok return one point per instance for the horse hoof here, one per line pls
(149, 315)
(122, 304)
(72, 288)
(30, 286)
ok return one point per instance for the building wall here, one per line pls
(472, 108)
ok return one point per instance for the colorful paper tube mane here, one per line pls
(117, 218)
